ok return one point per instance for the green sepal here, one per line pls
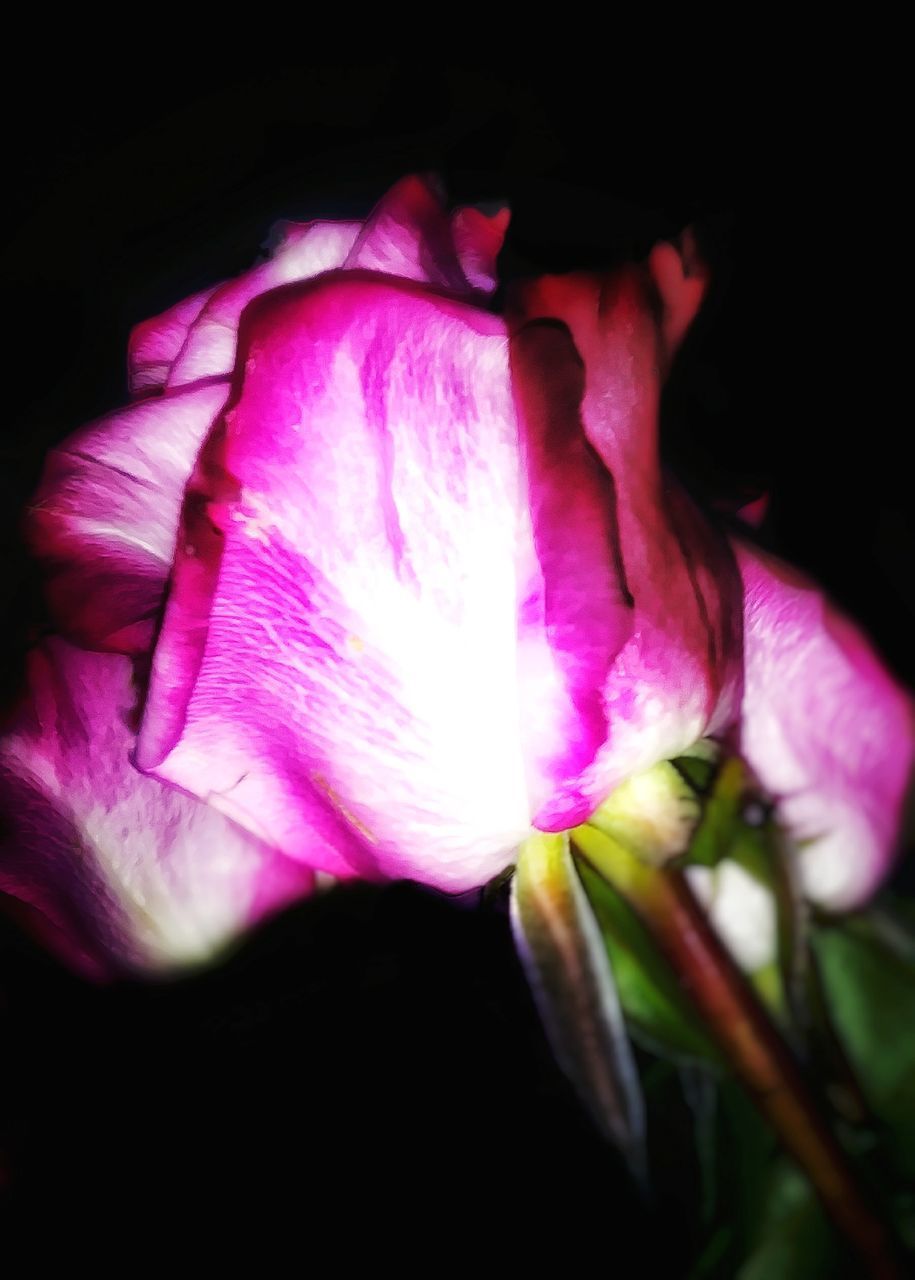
(653, 815)
(570, 974)
(715, 836)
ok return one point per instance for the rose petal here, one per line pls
(753, 514)
(575, 613)
(346, 643)
(826, 729)
(154, 344)
(677, 677)
(127, 873)
(306, 250)
(409, 235)
(681, 279)
(105, 517)
(478, 239)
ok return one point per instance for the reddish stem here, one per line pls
(752, 1045)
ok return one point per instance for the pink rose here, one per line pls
(424, 596)
(412, 577)
(112, 868)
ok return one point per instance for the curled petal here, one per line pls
(409, 235)
(676, 678)
(105, 517)
(681, 279)
(154, 344)
(306, 250)
(575, 611)
(341, 638)
(826, 728)
(478, 238)
(753, 513)
(121, 872)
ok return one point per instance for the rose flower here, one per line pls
(402, 579)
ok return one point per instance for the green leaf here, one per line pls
(768, 1223)
(570, 974)
(795, 1241)
(867, 970)
(867, 966)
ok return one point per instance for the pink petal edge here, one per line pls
(826, 728)
(120, 872)
(104, 520)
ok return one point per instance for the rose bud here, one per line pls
(114, 871)
(430, 588)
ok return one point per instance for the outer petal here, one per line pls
(681, 279)
(826, 728)
(478, 238)
(575, 612)
(123, 872)
(105, 517)
(393, 455)
(408, 235)
(306, 250)
(677, 677)
(344, 646)
(154, 344)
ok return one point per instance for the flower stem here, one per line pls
(748, 1038)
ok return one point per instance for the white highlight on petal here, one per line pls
(186, 880)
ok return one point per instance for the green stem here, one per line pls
(745, 1033)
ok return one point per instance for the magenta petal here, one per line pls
(340, 644)
(681, 279)
(575, 611)
(305, 251)
(105, 517)
(409, 235)
(154, 344)
(478, 238)
(123, 872)
(826, 728)
(677, 676)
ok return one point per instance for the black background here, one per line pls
(367, 1072)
